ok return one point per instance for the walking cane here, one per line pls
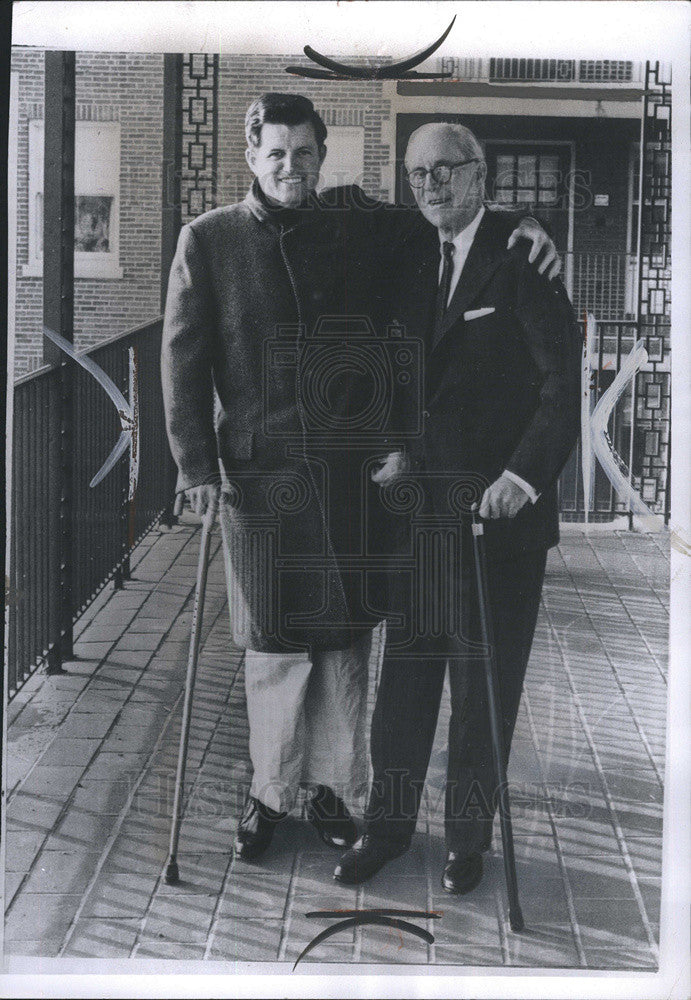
(172, 875)
(495, 722)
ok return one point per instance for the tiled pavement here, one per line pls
(92, 758)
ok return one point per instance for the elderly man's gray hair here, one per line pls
(469, 147)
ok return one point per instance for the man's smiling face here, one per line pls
(286, 162)
(449, 206)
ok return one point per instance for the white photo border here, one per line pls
(608, 29)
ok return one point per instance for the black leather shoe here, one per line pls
(462, 873)
(255, 830)
(329, 817)
(365, 858)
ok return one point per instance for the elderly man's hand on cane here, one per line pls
(503, 498)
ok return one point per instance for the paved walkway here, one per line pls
(92, 758)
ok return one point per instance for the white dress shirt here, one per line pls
(462, 244)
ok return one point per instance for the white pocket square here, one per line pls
(477, 313)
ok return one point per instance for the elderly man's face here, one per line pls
(453, 204)
(286, 162)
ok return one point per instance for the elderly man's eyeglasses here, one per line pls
(440, 174)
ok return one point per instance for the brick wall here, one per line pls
(128, 87)
(124, 87)
(28, 64)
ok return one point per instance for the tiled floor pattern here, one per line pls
(92, 764)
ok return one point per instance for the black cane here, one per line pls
(172, 875)
(495, 722)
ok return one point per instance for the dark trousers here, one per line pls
(407, 706)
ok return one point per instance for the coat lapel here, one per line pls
(428, 283)
(487, 253)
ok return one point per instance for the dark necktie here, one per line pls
(447, 250)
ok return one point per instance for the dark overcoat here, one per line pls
(273, 313)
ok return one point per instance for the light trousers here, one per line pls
(307, 721)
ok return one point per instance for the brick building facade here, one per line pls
(560, 140)
(124, 88)
(369, 122)
(127, 88)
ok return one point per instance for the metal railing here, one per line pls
(613, 343)
(105, 527)
(603, 284)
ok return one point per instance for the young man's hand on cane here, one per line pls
(200, 498)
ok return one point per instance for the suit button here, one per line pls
(425, 413)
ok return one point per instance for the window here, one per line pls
(537, 178)
(96, 202)
(527, 178)
(345, 156)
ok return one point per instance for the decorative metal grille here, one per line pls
(199, 135)
(605, 71)
(651, 445)
(559, 70)
(603, 284)
(543, 70)
(342, 116)
(461, 69)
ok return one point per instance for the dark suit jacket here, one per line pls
(502, 390)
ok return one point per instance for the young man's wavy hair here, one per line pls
(282, 109)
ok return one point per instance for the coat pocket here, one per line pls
(478, 313)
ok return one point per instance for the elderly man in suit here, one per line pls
(501, 417)
(248, 287)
